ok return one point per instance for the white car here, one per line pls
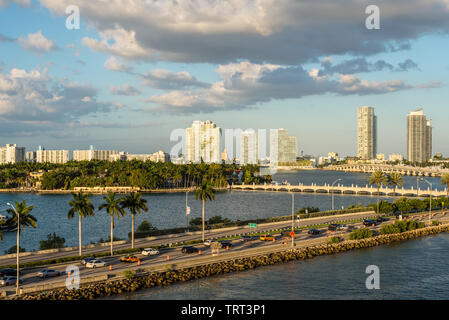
(47, 273)
(95, 264)
(150, 252)
(207, 243)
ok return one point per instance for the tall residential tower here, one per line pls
(203, 142)
(419, 137)
(283, 148)
(366, 133)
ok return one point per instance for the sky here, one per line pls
(135, 71)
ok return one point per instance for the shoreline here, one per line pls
(105, 190)
(173, 275)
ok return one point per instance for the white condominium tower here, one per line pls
(419, 137)
(91, 154)
(248, 147)
(203, 142)
(283, 148)
(52, 156)
(11, 153)
(366, 133)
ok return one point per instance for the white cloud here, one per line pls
(165, 79)
(285, 32)
(112, 63)
(125, 90)
(36, 42)
(246, 84)
(118, 42)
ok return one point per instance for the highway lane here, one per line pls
(176, 256)
(210, 234)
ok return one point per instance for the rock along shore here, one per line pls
(104, 289)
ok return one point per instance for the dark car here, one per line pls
(314, 232)
(381, 219)
(6, 272)
(286, 233)
(370, 222)
(333, 227)
(248, 238)
(86, 260)
(189, 249)
(225, 244)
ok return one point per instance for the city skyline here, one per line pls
(365, 115)
(112, 84)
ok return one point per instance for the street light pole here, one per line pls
(17, 246)
(333, 192)
(293, 219)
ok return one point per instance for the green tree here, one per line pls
(204, 193)
(146, 226)
(445, 182)
(379, 179)
(135, 204)
(395, 180)
(26, 219)
(81, 205)
(113, 207)
(52, 242)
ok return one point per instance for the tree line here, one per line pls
(135, 173)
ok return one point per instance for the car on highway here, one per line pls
(207, 243)
(189, 249)
(225, 244)
(8, 272)
(313, 232)
(381, 219)
(344, 227)
(9, 281)
(370, 222)
(86, 260)
(266, 237)
(48, 273)
(248, 238)
(150, 252)
(333, 227)
(286, 233)
(130, 259)
(95, 264)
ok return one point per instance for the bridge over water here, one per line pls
(341, 189)
(404, 170)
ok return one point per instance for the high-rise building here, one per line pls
(419, 137)
(248, 147)
(159, 156)
(91, 154)
(366, 133)
(52, 156)
(283, 148)
(203, 142)
(11, 153)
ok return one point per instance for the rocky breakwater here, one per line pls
(104, 289)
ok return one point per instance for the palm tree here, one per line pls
(25, 218)
(22, 218)
(445, 182)
(135, 204)
(395, 180)
(378, 178)
(82, 205)
(112, 206)
(204, 192)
